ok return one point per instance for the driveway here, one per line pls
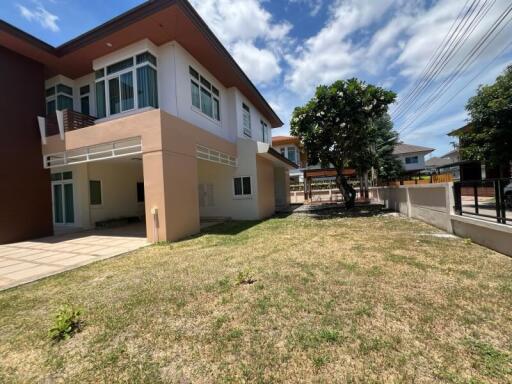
(32, 260)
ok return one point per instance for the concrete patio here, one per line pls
(32, 260)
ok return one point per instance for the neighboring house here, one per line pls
(146, 115)
(412, 156)
(436, 162)
(290, 147)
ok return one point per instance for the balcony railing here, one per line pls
(71, 120)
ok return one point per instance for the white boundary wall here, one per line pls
(433, 204)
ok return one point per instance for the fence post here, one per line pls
(503, 203)
(458, 198)
(475, 195)
(497, 198)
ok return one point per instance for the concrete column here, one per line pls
(170, 185)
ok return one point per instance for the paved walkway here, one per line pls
(32, 260)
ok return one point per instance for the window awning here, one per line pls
(269, 153)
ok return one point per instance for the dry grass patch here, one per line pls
(297, 299)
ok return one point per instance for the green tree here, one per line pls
(387, 165)
(335, 125)
(490, 137)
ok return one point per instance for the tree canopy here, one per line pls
(490, 136)
(336, 126)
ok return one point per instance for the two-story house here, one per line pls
(412, 156)
(146, 115)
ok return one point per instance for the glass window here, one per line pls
(127, 100)
(147, 87)
(119, 66)
(283, 151)
(61, 88)
(64, 102)
(84, 105)
(50, 91)
(56, 176)
(67, 175)
(99, 73)
(95, 192)
(146, 57)
(242, 186)
(216, 109)
(193, 73)
(292, 154)
(246, 120)
(206, 102)
(50, 107)
(101, 110)
(195, 94)
(263, 131)
(238, 186)
(411, 160)
(205, 96)
(114, 96)
(140, 192)
(84, 90)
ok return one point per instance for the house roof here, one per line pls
(435, 162)
(160, 21)
(402, 148)
(282, 140)
(450, 154)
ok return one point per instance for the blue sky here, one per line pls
(287, 47)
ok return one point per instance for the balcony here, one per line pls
(63, 121)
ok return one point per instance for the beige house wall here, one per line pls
(266, 194)
(170, 166)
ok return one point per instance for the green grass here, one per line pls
(297, 299)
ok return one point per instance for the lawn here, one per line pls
(360, 299)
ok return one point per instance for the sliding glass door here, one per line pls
(63, 203)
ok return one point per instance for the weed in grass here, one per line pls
(234, 334)
(66, 323)
(490, 361)
(320, 360)
(245, 277)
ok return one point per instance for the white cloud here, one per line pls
(262, 63)
(40, 15)
(250, 34)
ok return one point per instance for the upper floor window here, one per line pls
(205, 97)
(264, 131)
(411, 160)
(59, 97)
(84, 99)
(117, 87)
(246, 120)
(292, 154)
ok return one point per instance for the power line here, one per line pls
(467, 62)
(435, 58)
(459, 44)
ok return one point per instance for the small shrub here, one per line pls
(66, 323)
(245, 277)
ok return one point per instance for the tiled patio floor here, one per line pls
(31, 260)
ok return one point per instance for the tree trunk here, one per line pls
(366, 189)
(349, 193)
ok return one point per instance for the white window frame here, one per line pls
(242, 196)
(132, 69)
(247, 130)
(200, 85)
(101, 193)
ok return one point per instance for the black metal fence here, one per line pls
(489, 199)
